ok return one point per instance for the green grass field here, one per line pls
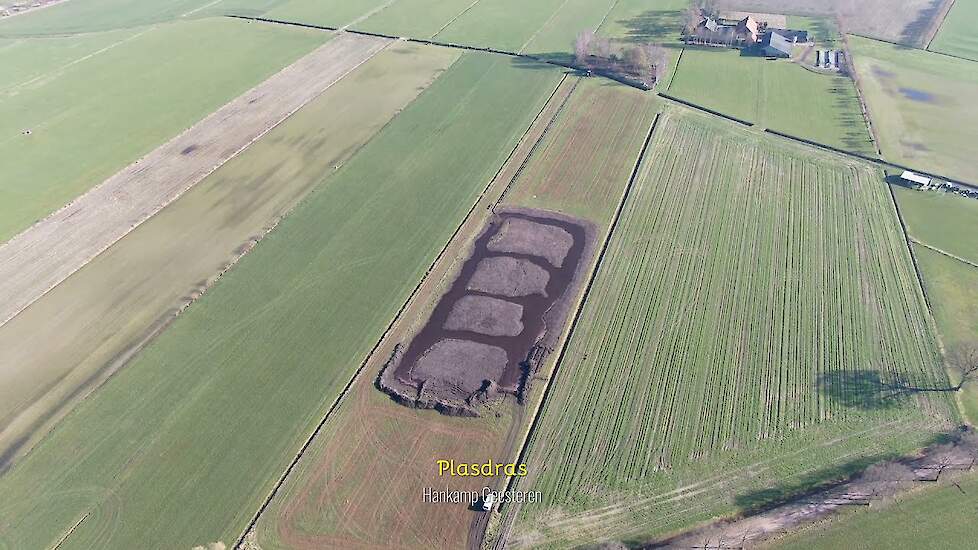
(503, 24)
(69, 340)
(646, 21)
(403, 17)
(774, 94)
(29, 59)
(950, 286)
(937, 517)
(100, 15)
(556, 36)
(95, 104)
(922, 106)
(942, 220)
(331, 13)
(957, 34)
(546, 27)
(182, 445)
(947, 222)
(589, 152)
(753, 303)
(658, 21)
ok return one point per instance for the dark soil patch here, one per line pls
(459, 368)
(504, 299)
(189, 149)
(525, 236)
(510, 277)
(485, 315)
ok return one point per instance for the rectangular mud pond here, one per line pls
(499, 319)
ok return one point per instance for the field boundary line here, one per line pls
(507, 525)
(363, 365)
(699, 107)
(177, 193)
(545, 23)
(538, 59)
(880, 161)
(454, 19)
(604, 19)
(942, 251)
(919, 49)
(533, 148)
(74, 62)
(931, 321)
(368, 15)
(679, 61)
(913, 258)
(200, 8)
(937, 28)
(70, 531)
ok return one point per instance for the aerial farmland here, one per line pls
(487, 274)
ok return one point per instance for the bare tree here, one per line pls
(691, 18)
(601, 47)
(963, 364)
(659, 58)
(709, 8)
(582, 47)
(638, 62)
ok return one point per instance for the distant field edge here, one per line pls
(431, 42)
(706, 110)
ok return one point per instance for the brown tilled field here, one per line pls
(478, 342)
(365, 487)
(45, 254)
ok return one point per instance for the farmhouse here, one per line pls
(745, 33)
(748, 29)
(724, 32)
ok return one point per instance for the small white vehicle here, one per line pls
(488, 501)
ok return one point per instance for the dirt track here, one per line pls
(39, 258)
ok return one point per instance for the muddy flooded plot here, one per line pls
(501, 316)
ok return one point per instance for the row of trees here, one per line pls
(645, 62)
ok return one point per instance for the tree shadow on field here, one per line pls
(868, 389)
(541, 64)
(762, 500)
(915, 33)
(661, 26)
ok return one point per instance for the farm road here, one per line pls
(39, 258)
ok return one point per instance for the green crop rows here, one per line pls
(754, 301)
